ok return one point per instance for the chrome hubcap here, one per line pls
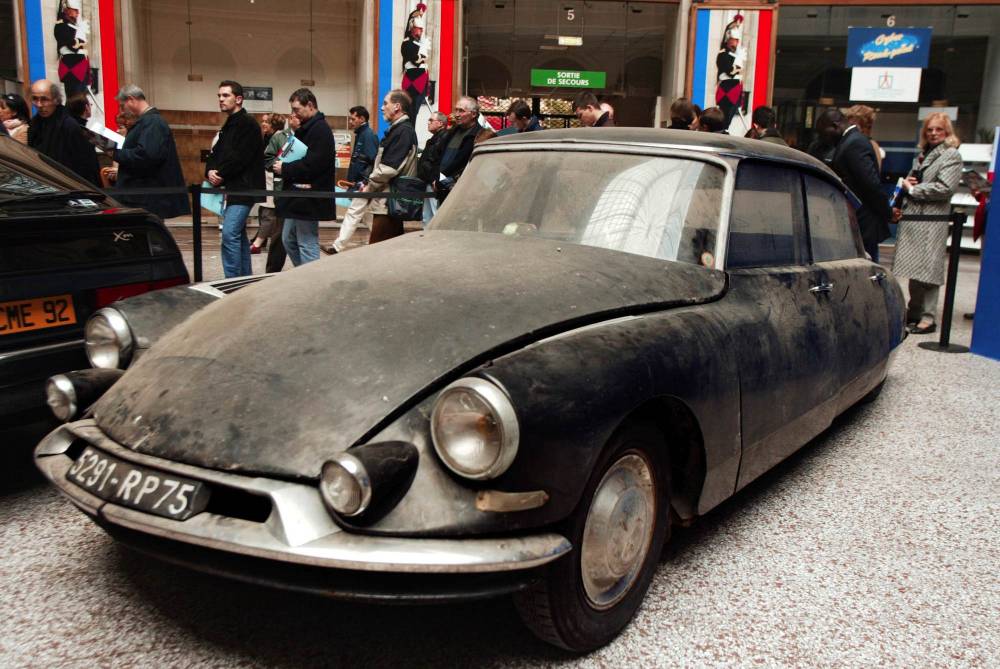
(618, 531)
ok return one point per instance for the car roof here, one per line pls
(728, 145)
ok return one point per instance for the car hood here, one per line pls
(279, 376)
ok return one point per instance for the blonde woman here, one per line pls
(920, 245)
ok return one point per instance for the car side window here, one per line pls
(831, 234)
(766, 226)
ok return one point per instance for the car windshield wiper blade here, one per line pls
(58, 195)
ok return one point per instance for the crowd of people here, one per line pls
(251, 155)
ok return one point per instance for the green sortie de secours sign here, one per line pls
(567, 79)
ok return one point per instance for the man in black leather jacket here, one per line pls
(236, 163)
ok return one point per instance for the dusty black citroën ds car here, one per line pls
(602, 333)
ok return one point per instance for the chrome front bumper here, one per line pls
(299, 529)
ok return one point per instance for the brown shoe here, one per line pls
(329, 249)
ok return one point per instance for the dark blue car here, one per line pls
(66, 250)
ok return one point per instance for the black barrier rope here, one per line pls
(943, 345)
(957, 219)
(196, 191)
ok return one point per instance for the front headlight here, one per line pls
(61, 397)
(474, 428)
(108, 340)
(345, 485)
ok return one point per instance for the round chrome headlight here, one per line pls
(61, 397)
(474, 428)
(345, 485)
(108, 340)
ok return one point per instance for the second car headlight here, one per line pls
(475, 429)
(108, 339)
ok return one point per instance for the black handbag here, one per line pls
(408, 203)
(408, 189)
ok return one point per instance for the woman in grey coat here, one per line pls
(920, 245)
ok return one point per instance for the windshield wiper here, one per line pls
(58, 195)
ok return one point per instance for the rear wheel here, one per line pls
(618, 530)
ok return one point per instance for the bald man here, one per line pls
(54, 132)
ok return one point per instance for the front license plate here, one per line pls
(41, 312)
(125, 484)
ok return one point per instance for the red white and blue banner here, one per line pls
(416, 52)
(731, 62)
(73, 42)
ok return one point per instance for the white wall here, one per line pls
(263, 43)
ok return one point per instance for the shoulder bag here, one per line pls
(408, 189)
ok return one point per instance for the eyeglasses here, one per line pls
(40, 98)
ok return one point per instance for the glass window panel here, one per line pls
(664, 208)
(766, 222)
(830, 232)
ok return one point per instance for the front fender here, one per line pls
(571, 392)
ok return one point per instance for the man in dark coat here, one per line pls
(148, 158)
(855, 162)
(828, 130)
(587, 108)
(236, 163)
(429, 165)
(54, 132)
(365, 145)
(457, 145)
(314, 171)
(521, 119)
(362, 161)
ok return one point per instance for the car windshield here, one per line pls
(665, 208)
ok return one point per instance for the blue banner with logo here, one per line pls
(888, 47)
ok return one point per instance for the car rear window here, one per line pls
(767, 223)
(659, 207)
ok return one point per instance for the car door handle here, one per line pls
(822, 288)
(878, 277)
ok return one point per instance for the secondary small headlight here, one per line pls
(61, 397)
(70, 393)
(108, 340)
(345, 485)
(475, 429)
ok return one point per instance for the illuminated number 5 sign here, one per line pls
(570, 13)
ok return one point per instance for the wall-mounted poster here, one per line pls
(731, 62)
(73, 42)
(416, 52)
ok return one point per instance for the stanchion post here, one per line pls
(944, 345)
(196, 229)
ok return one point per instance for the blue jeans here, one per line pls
(301, 239)
(235, 245)
(430, 206)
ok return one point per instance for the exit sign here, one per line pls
(567, 79)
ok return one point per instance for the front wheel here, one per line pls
(618, 530)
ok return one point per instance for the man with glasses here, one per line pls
(53, 132)
(396, 156)
(458, 145)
